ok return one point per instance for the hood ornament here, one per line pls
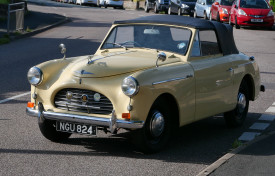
(63, 49)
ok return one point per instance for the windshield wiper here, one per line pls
(119, 45)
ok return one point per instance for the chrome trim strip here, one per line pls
(241, 65)
(174, 79)
(85, 119)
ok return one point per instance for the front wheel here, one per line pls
(169, 11)
(205, 16)
(156, 9)
(195, 14)
(210, 16)
(237, 116)
(156, 132)
(146, 8)
(236, 23)
(47, 128)
(179, 12)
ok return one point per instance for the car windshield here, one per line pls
(254, 4)
(158, 37)
(227, 2)
(209, 2)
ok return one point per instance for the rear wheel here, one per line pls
(156, 9)
(146, 9)
(179, 12)
(237, 116)
(169, 11)
(195, 14)
(205, 16)
(155, 134)
(47, 128)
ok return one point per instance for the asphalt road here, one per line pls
(24, 151)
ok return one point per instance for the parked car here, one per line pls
(251, 13)
(157, 5)
(111, 3)
(150, 76)
(86, 2)
(181, 7)
(220, 10)
(202, 8)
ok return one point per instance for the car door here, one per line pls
(213, 75)
(215, 8)
(198, 7)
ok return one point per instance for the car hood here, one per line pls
(256, 12)
(115, 63)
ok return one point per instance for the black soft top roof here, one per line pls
(224, 31)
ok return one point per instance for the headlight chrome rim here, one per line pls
(35, 76)
(130, 86)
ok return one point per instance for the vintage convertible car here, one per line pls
(150, 76)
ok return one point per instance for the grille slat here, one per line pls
(75, 104)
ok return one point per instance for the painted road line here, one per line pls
(267, 117)
(259, 126)
(14, 97)
(271, 109)
(248, 136)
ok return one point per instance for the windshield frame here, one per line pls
(114, 27)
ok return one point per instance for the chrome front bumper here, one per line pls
(112, 123)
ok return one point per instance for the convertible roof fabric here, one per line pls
(224, 31)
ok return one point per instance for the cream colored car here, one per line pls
(150, 75)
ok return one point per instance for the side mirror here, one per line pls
(234, 6)
(203, 3)
(216, 3)
(161, 57)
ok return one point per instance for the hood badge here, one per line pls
(83, 72)
(84, 99)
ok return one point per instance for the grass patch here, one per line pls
(236, 144)
(28, 29)
(4, 1)
(4, 40)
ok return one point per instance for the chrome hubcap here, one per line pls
(157, 124)
(241, 102)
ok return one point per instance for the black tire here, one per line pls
(237, 116)
(146, 9)
(152, 141)
(179, 12)
(156, 8)
(195, 14)
(47, 128)
(236, 24)
(205, 16)
(169, 11)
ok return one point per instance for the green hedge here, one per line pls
(272, 2)
(4, 1)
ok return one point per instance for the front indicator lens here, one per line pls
(34, 76)
(130, 86)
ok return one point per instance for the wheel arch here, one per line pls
(251, 84)
(171, 101)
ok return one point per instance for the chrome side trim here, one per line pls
(174, 79)
(106, 122)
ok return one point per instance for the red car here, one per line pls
(251, 13)
(220, 10)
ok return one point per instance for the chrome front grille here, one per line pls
(80, 100)
(257, 16)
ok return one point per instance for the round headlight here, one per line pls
(34, 76)
(130, 86)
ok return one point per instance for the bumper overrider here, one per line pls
(112, 123)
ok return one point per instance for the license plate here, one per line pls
(76, 128)
(257, 20)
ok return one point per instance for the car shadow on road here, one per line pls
(202, 142)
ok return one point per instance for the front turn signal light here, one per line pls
(126, 116)
(30, 105)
